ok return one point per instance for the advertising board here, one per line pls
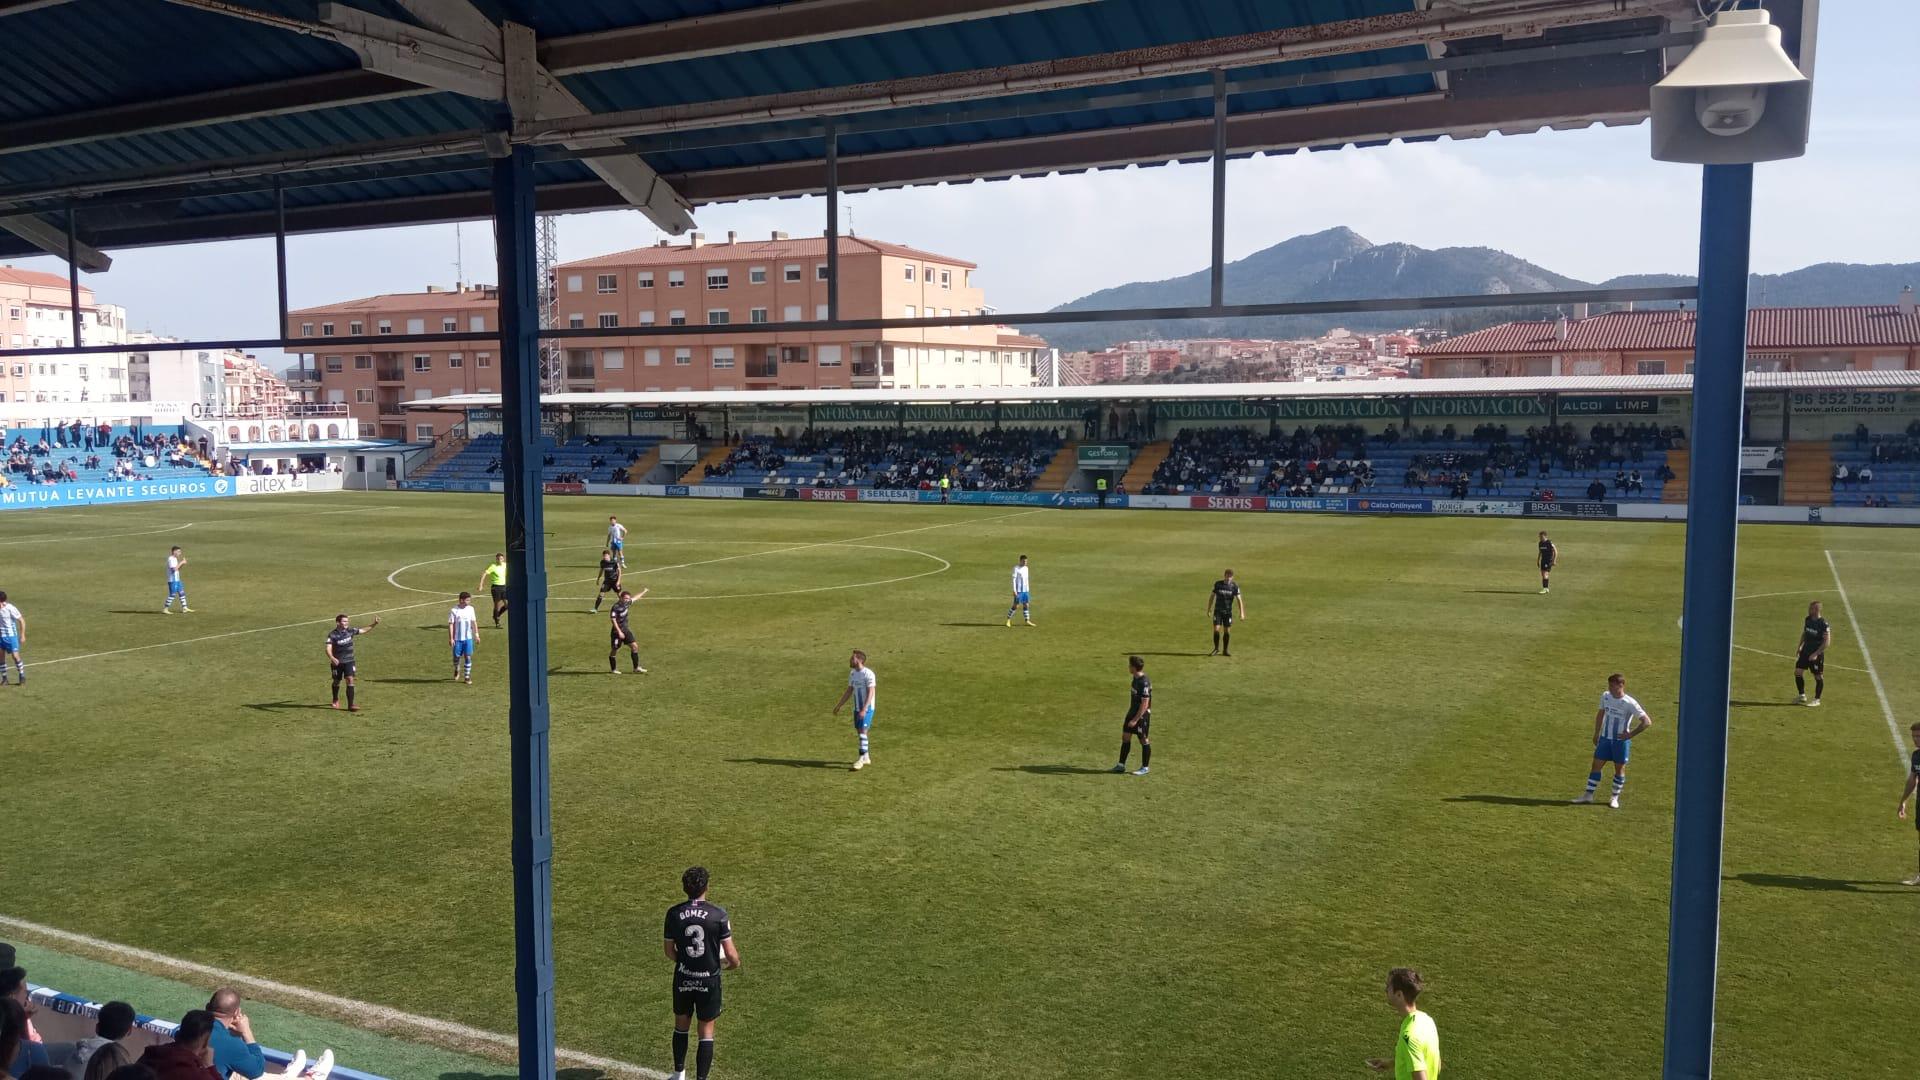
(1227, 502)
(1496, 507)
(1104, 457)
(279, 484)
(1306, 503)
(1390, 506)
(829, 494)
(34, 496)
(895, 495)
(1571, 509)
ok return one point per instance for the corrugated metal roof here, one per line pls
(71, 60)
(1859, 326)
(1401, 388)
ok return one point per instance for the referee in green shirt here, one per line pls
(494, 577)
(1416, 1054)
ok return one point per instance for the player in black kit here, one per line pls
(1815, 636)
(1548, 556)
(1906, 793)
(340, 656)
(622, 634)
(609, 577)
(699, 944)
(1139, 718)
(1225, 594)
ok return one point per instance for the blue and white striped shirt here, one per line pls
(1617, 715)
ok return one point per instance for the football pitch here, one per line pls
(1379, 776)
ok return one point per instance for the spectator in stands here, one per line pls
(13, 984)
(1840, 475)
(1865, 476)
(234, 1048)
(113, 1024)
(1860, 435)
(21, 1053)
(188, 1056)
(112, 1060)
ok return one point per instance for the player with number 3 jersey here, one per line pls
(699, 943)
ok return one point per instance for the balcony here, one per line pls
(395, 373)
(764, 366)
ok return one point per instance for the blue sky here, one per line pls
(1589, 204)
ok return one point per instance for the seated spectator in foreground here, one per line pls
(13, 986)
(187, 1057)
(116, 1020)
(234, 1048)
(19, 1054)
(113, 1059)
(1596, 492)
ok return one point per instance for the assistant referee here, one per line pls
(494, 577)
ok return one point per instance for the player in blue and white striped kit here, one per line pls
(13, 631)
(1617, 721)
(175, 587)
(860, 685)
(1021, 595)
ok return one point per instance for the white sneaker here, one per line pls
(1914, 880)
(1584, 799)
(1800, 699)
(297, 1065)
(861, 762)
(322, 1068)
(639, 671)
(1814, 704)
(1141, 771)
(680, 1075)
(1613, 803)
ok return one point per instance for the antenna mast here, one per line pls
(547, 254)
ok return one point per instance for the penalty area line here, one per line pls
(380, 1017)
(1880, 691)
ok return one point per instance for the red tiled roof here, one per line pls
(420, 301)
(32, 277)
(1021, 341)
(1653, 331)
(799, 247)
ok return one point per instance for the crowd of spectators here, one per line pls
(1002, 459)
(40, 462)
(214, 1043)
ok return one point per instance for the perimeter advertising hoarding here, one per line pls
(1571, 509)
(1572, 405)
(1227, 502)
(1338, 409)
(1479, 406)
(1496, 507)
(1390, 506)
(829, 494)
(896, 495)
(88, 493)
(856, 414)
(1211, 410)
(948, 414)
(1322, 503)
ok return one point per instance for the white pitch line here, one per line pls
(1886, 710)
(65, 537)
(389, 1017)
(230, 634)
(1784, 656)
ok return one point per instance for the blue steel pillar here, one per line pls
(1706, 636)
(527, 717)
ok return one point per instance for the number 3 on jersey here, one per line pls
(696, 945)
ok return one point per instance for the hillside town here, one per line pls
(1338, 354)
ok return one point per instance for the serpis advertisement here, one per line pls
(1228, 502)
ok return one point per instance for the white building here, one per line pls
(35, 311)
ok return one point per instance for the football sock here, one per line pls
(1226, 641)
(679, 1051)
(1216, 639)
(1126, 748)
(1012, 609)
(1593, 780)
(613, 660)
(349, 695)
(596, 603)
(183, 601)
(636, 661)
(1800, 683)
(703, 1058)
(1618, 783)
(336, 690)
(1819, 685)
(1146, 753)
(863, 744)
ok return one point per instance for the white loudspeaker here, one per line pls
(1736, 98)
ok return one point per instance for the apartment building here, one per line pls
(372, 382)
(34, 311)
(1861, 338)
(776, 281)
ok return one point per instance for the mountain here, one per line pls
(1340, 264)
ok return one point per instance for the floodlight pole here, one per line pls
(1217, 271)
(833, 222)
(73, 280)
(527, 709)
(1706, 635)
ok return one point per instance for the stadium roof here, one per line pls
(1633, 331)
(1396, 388)
(176, 120)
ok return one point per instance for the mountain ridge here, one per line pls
(1339, 263)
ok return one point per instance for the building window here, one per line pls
(912, 312)
(820, 271)
(363, 396)
(326, 329)
(606, 283)
(756, 275)
(643, 280)
(676, 318)
(646, 318)
(757, 315)
(946, 279)
(355, 329)
(333, 365)
(576, 321)
(793, 354)
(385, 327)
(449, 324)
(790, 272)
(682, 357)
(909, 271)
(723, 357)
(574, 283)
(306, 329)
(719, 317)
(613, 359)
(946, 313)
(676, 279)
(416, 326)
(477, 324)
(1652, 367)
(829, 356)
(819, 313)
(652, 357)
(483, 360)
(579, 363)
(717, 278)
(790, 313)
(455, 360)
(422, 362)
(423, 433)
(608, 320)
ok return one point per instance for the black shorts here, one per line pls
(1806, 661)
(615, 638)
(696, 995)
(1223, 618)
(499, 592)
(1140, 728)
(346, 671)
(1546, 565)
(609, 585)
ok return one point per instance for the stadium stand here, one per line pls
(1875, 470)
(1002, 459)
(1613, 462)
(593, 459)
(51, 454)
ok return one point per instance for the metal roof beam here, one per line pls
(34, 230)
(21, 7)
(799, 22)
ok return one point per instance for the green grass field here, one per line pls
(1377, 777)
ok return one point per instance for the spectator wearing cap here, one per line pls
(187, 1057)
(234, 1048)
(115, 1021)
